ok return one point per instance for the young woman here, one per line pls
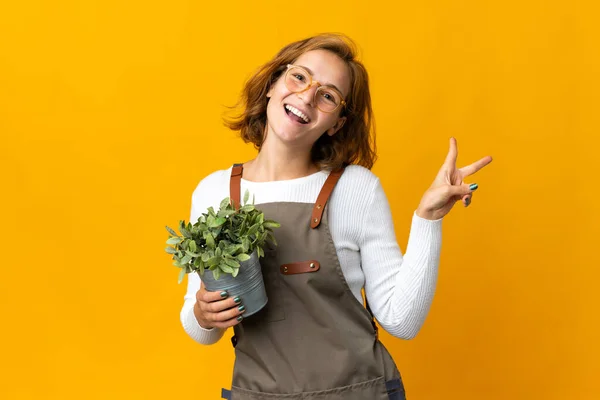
(308, 112)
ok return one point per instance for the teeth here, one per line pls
(297, 112)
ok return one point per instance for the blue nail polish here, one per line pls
(224, 294)
(241, 308)
(468, 201)
(240, 318)
(473, 186)
(237, 300)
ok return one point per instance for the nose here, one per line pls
(308, 95)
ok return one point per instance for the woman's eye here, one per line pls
(328, 96)
(300, 77)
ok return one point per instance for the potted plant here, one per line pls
(224, 247)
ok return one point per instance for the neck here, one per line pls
(277, 161)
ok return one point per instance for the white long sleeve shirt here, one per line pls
(399, 288)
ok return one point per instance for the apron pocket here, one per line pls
(374, 389)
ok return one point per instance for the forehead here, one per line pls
(327, 68)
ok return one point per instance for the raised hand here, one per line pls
(449, 187)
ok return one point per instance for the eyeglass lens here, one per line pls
(298, 80)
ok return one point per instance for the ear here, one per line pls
(270, 92)
(338, 125)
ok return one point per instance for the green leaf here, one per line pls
(271, 224)
(210, 240)
(181, 275)
(185, 232)
(253, 229)
(246, 196)
(193, 246)
(216, 273)
(272, 238)
(189, 253)
(225, 213)
(171, 250)
(205, 257)
(186, 259)
(219, 221)
(235, 272)
(174, 240)
(263, 236)
(184, 244)
(171, 231)
(210, 221)
(213, 261)
(243, 257)
(260, 251)
(232, 263)
(247, 208)
(226, 268)
(224, 203)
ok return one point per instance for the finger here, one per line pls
(466, 200)
(452, 153)
(461, 191)
(229, 323)
(228, 315)
(208, 297)
(476, 166)
(218, 306)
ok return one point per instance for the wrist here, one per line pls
(425, 213)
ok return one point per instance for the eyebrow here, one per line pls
(324, 84)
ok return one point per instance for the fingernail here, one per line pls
(468, 201)
(473, 186)
(224, 294)
(240, 318)
(237, 300)
(241, 308)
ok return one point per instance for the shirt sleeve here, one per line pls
(399, 288)
(188, 319)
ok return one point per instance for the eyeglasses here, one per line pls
(327, 98)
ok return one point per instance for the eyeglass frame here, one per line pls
(313, 82)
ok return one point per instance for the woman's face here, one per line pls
(326, 68)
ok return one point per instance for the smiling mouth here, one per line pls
(296, 114)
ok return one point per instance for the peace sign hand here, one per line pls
(448, 186)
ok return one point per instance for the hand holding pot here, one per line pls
(217, 309)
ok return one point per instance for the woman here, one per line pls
(308, 112)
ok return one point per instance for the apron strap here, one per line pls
(328, 186)
(317, 214)
(235, 185)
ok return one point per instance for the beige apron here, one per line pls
(314, 339)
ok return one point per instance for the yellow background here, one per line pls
(110, 114)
